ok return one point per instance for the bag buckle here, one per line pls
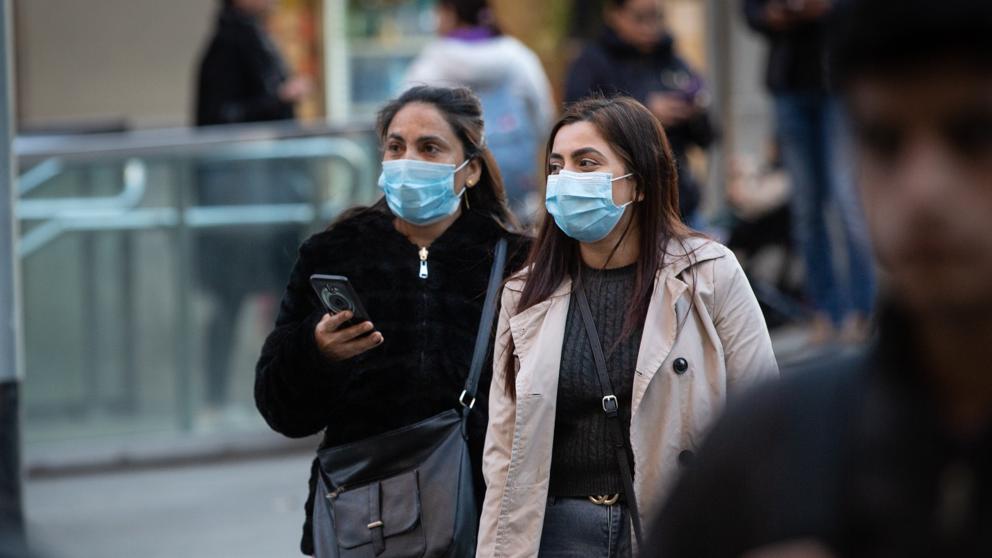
(610, 405)
(461, 399)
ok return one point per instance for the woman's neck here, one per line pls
(597, 255)
(425, 235)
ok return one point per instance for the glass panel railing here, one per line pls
(153, 264)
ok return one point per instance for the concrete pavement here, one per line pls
(234, 509)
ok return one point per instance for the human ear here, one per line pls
(474, 169)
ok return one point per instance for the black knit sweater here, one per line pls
(583, 459)
(428, 326)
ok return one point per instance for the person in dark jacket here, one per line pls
(887, 453)
(635, 56)
(243, 78)
(420, 266)
(815, 152)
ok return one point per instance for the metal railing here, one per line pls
(47, 218)
(122, 212)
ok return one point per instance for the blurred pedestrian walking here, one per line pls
(243, 78)
(472, 51)
(815, 150)
(636, 55)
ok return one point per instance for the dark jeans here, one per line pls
(577, 527)
(815, 150)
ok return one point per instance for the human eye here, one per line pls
(971, 137)
(588, 164)
(881, 141)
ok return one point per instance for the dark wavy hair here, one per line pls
(638, 138)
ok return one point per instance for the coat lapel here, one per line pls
(660, 331)
(537, 334)
(667, 311)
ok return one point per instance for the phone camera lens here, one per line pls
(335, 301)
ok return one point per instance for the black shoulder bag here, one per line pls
(612, 409)
(408, 492)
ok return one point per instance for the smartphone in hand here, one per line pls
(337, 295)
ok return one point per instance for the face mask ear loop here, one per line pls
(628, 175)
(458, 168)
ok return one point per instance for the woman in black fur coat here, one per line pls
(420, 265)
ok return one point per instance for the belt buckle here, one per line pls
(605, 500)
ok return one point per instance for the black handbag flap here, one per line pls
(399, 510)
(389, 454)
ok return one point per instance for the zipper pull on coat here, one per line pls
(423, 262)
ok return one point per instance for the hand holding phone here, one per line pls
(345, 331)
(339, 342)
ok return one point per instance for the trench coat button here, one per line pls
(680, 365)
(685, 458)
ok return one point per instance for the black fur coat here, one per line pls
(428, 325)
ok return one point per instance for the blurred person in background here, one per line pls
(635, 55)
(424, 283)
(243, 78)
(519, 109)
(677, 327)
(758, 223)
(815, 152)
(888, 453)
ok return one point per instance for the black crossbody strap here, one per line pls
(484, 335)
(611, 406)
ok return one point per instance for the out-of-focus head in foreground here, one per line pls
(917, 76)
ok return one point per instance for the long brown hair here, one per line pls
(462, 109)
(637, 137)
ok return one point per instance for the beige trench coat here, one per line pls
(724, 339)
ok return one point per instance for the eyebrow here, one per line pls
(579, 153)
(420, 139)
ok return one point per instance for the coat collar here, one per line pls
(668, 309)
(680, 255)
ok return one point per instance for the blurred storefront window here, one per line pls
(384, 36)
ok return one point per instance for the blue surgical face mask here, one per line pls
(582, 204)
(420, 192)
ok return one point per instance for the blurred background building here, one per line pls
(114, 320)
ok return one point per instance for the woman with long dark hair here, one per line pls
(419, 260)
(616, 347)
